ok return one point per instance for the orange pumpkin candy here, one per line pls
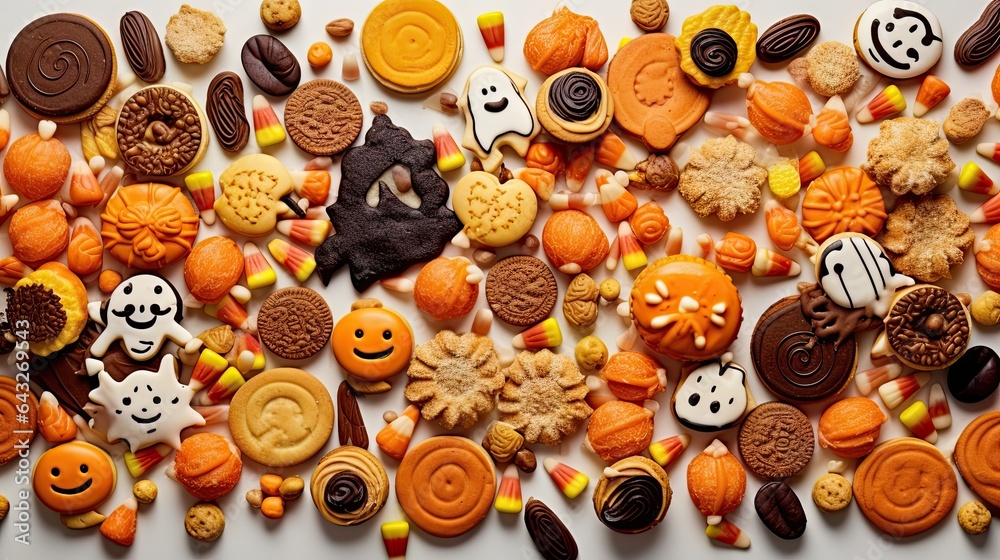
(38, 232)
(214, 266)
(149, 225)
(843, 200)
(779, 111)
(619, 429)
(35, 168)
(371, 342)
(633, 376)
(446, 289)
(74, 478)
(716, 482)
(574, 241)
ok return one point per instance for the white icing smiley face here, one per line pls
(713, 396)
(147, 407)
(496, 107)
(855, 273)
(143, 312)
(899, 39)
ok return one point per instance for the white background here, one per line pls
(302, 531)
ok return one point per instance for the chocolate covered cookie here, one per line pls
(270, 65)
(780, 510)
(227, 112)
(143, 50)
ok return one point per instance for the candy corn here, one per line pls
(119, 527)
(246, 354)
(577, 201)
(623, 41)
(783, 178)
(811, 166)
(578, 166)
(312, 185)
(632, 254)
(85, 254)
(989, 150)
(727, 533)
(736, 125)
(612, 152)
(872, 379)
(894, 392)
(54, 422)
(598, 392)
(141, 461)
(207, 370)
(225, 387)
(570, 481)
(7, 204)
(675, 240)
(83, 188)
(267, 128)
(974, 179)
(491, 27)
(988, 212)
(229, 311)
(259, 272)
(395, 534)
(614, 253)
(769, 263)
(918, 419)
(888, 102)
(395, 437)
(449, 157)
(617, 202)
(540, 181)
(666, 451)
(201, 185)
(932, 91)
(938, 407)
(543, 335)
(297, 261)
(833, 126)
(509, 495)
(213, 413)
(351, 71)
(310, 232)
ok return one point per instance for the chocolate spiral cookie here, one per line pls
(349, 486)
(142, 47)
(227, 112)
(632, 495)
(161, 131)
(793, 362)
(714, 52)
(270, 65)
(62, 67)
(323, 117)
(574, 105)
(294, 323)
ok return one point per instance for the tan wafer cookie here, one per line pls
(194, 36)
(323, 117)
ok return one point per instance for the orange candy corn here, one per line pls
(310, 232)
(509, 495)
(207, 370)
(918, 419)
(872, 379)
(119, 527)
(540, 181)
(491, 28)
(313, 185)
(395, 534)
(350, 70)
(987, 213)
(811, 166)
(736, 125)
(449, 157)
(974, 179)
(225, 387)
(54, 423)
(833, 128)
(599, 392)
(229, 311)
(932, 91)
(888, 102)
(394, 439)
(141, 461)
(727, 533)
(617, 202)
(259, 272)
(612, 152)
(666, 451)
(85, 254)
(581, 159)
(84, 190)
(987, 149)
(895, 392)
(246, 354)
(543, 335)
(938, 407)
(201, 185)
(570, 481)
(267, 128)
(298, 262)
(768, 263)
(572, 201)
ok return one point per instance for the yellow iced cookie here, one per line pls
(717, 46)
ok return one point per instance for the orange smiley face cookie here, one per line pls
(74, 478)
(372, 343)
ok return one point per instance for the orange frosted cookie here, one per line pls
(841, 200)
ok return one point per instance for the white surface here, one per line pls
(303, 531)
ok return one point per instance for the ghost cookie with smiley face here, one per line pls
(898, 39)
(496, 114)
(712, 395)
(143, 311)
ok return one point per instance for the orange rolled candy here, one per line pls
(632, 376)
(716, 482)
(649, 223)
(619, 429)
(735, 252)
(779, 111)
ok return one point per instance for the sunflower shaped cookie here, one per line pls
(454, 378)
(543, 397)
(925, 237)
(908, 156)
(721, 178)
(717, 45)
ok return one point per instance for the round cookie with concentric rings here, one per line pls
(905, 487)
(323, 117)
(294, 323)
(632, 495)
(349, 485)
(411, 46)
(574, 105)
(794, 363)
(977, 456)
(14, 424)
(776, 440)
(446, 485)
(62, 67)
(161, 131)
(281, 417)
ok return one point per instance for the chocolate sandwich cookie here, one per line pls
(521, 290)
(323, 117)
(294, 323)
(776, 440)
(143, 50)
(632, 495)
(780, 510)
(270, 65)
(62, 67)
(787, 38)
(794, 363)
(226, 111)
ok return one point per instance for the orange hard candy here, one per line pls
(443, 290)
(565, 40)
(207, 466)
(212, 268)
(849, 427)
(620, 429)
(716, 481)
(39, 232)
(633, 376)
(36, 169)
(574, 241)
(779, 111)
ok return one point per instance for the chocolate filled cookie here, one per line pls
(632, 495)
(776, 440)
(521, 290)
(161, 131)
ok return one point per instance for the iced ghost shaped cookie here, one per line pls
(496, 114)
(712, 395)
(143, 311)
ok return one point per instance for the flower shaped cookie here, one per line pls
(544, 397)
(717, 45)
(908, 156)
(454, 378)
(721, 178)
(925, 237)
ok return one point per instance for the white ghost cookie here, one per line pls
(496, 114)
(713, 395)
(143, 311)
(148, 407)
(855, 273)
(898, 39)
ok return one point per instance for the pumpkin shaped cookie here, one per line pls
(843, 200)
(149, 225)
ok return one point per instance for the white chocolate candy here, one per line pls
(899, 39)
(496, 114)
(855, 273)
(713, 396)
(143, 311)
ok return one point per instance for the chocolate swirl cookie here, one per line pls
(161, 131)
(62, 67)
(349, 486)
(574, 96)
(574, 105)
(270, 65)
(142, 46)
(323, 117)
(787, 38)
(227, 112)
(551, 537)
(632, 495)
(980, 41)
(714, 52)
(794, 363)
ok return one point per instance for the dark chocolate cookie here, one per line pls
(776, 440)
(780, 510)
(521, 290)
(270, 65)
(294, 323)
(350, 423)
(226, 111)
(551, 537)
(143, 50)
(323, 117)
